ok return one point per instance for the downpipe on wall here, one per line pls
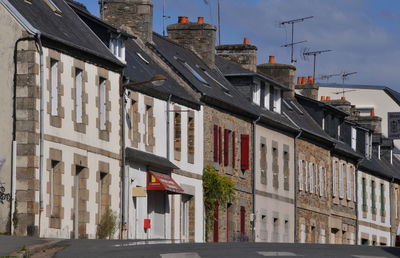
(254, 217)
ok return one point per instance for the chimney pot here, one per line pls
(310, 80)
(322, 98)
(303, 80)
(343, 98)
(246, 41)
(271, 60)
(298, 80)
(183, 19)
(200, 20)
(328, 98)
(372, 112)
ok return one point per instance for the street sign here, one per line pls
(394, 125)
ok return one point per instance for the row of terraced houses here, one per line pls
(76, 140)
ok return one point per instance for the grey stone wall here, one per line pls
(282, 73)
(242, 54)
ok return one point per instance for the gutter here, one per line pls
(168, 125)
(124, 173)
(254, 124)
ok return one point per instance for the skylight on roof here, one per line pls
(53, 6)
(141, 57)
(287, 105)
(297, 108)
(195, 74)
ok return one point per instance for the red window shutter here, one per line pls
(220, 145)
(216, 224)
(226, 147)
(215, 143)
(245, 149)
(242, 220)
(233, 149)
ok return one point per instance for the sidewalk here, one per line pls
(9, 244)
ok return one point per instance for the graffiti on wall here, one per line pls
(4, 196)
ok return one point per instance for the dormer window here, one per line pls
(277, 100)
(117, 47)
(256, 94)
(353, 138)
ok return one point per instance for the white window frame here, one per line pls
(306, 176)
(348, 182)
(256, 93)
(301, 176)
(54, 87)
(79, 95)
(316, 179)
(334, 178)
(266, 96)
(102, 104)
(311, 173)
(341, 192)
(353, 138)
(321, 181)
(277, 100)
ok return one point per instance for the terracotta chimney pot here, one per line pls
(322, 98)
(310, 80)
(298, 80)
(183, 19)
(271, 60)
(372, 112)
(245, 41)
(200, 20)
(343, 98)
(303, 80)
(328, 98)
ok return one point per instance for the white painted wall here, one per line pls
(273, 207)
(369, 219)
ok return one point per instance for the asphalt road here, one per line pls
(104, 248)
(9, 244)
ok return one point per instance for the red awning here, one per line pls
(162, 182)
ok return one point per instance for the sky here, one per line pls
(362, 34)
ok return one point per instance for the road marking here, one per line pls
(274, 254)
(180, 255)
(368, 256)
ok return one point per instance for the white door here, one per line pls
(157, 201)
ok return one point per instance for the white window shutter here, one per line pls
(306, 177)
(353, 138)
(340, 180)
(321, 181)
(325, 184)
(311, 172)
(102, 108)
(78, 96)
(348, 179)
(301, 176)
(316, 178)
(266, 96)
(334, 179)
(54, 88)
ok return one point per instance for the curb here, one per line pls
(33, 249)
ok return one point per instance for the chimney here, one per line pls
(308, 88)
(134, 16)
(197, 36)
(371, 122)
(242, 54)
(282, 73)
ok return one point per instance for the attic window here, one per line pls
(287, 105)
(53, 6)
(117, 47)
(195, 74)
(297, 108)
(217, 82)
(141, 57)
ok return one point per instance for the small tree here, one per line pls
(108, 225)
(217, 188)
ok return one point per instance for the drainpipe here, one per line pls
(391, 215)
(356, 200)
(296, 171)
(41, 136)
(168, 124)
(124, 173)
(254, 176)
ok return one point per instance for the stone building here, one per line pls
(274, 143)
(66, 164)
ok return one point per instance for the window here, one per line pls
(353, 138)
(242, 220)
(233, 149)
(191, 138)
(341, 193)
(195, 74)
(277, 101)
(216, 143)
(266, 96)
(117, 47)
(256, 93)
(286, 171)
(271, 98)
(301, 176)
(177, 135)
(103, 194)
(147, 124)
(54, 87)
(245, 151)
(53, 7)
(383, 200)
(373, 206)
(306, 175)
(263, 163)
(322, 181)
(302, 233)
(311, 172)
(142, 58)
(102, 104)
(275, 168)
(226, 146)
(364, 195)
(348, 184)
(334, 178)
(78, 95)
(317, 179)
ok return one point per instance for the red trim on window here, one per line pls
(220, 145)
(233, 149)
(226, 147)
(215, 143)
(242, 219)
(245, 151)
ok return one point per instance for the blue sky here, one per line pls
(363, 34)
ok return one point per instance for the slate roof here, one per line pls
(216, 91)
(381, 168)
(395, 95)
(66, 29)
(141, 70)
(229, 68)
(153, 161)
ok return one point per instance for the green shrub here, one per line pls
(108, 225)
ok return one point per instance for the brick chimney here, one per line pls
(282, 73)
(134, 16)
(242, 54)
(197, 36)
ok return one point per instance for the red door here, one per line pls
(216, 222)
(242, 220)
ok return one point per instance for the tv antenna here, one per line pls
(165, 17)
(344, 77)
(307, 53)
(328, 76)
(292, 22)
